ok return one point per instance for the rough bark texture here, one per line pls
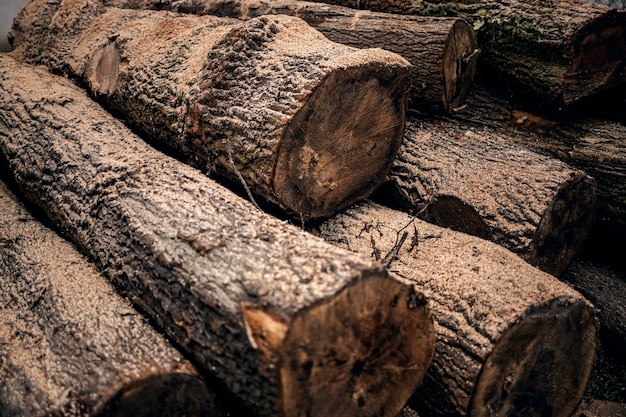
(511, 340)
(606, 289)
(269, 102)
(618, 4)
(476, 181)
(591, 145)
(290, 324)
(71, 346)
(555, 53)
(443, 51)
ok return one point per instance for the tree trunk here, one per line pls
(511, 340)
(269, 103)
(71, 345)
(555, 53)
(290, 324)
(443, 51)
(591, 145)
(476, 181)
(605, 288)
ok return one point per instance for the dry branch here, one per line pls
(71, 346)
(511, 340)
(299, 115)
(555, 52)
(443, 51)
(290, 324)
(477, 181)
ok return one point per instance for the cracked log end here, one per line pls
(564, 228)
(340, 145)
(460, 58)
(541, 364)
(596, 54)
(361, 353)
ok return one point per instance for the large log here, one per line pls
(290, 324)
(511, 340)
(73, 347)
(592, 145)
(269, 103)
(556, 53)
(476, 181)
(443, 51)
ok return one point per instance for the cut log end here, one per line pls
(564, 228)
(541, 365)
(459, 63)
(360, 354)
(339, 147)
(596, 57)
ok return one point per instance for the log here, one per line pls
(290, 324)
(476, 181)
(554, 53)
(511, 339)
(605, 288)
(590, 144)
(443, 51)
(269, 103)
(71, 345)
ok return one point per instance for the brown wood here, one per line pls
(511, 340)
(555, 53)
(605, 287)
(290, 324)
(443, 51)
(269, 103)
(475, 180)
(71, 346)
(592, 145)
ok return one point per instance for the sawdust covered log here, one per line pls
(556, 53)
(270, 103)
(475, 180)
(290, 324)
(511, 339)
(71, 346)
(592, 145)
(443, 51)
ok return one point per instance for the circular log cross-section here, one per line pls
(459, 64)
(344, 125)
(359, 354)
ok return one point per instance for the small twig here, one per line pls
(229, 149)
(393, 253)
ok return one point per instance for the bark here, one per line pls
(555, 53)
(618, 4)
(605, 288)
(592, 145)
(269, 103)
(476, 181)
(71, 345)
(443, 51)
(511, 340)
(291, 325)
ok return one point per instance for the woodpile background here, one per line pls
(285, 208)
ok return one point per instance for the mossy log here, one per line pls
(592, 145)
(71, 346)
(477, 181)
(443, 51)
(291, 325)
(556, 53)
(269, 103)
(511, 339)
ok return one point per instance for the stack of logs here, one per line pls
(439, 295)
